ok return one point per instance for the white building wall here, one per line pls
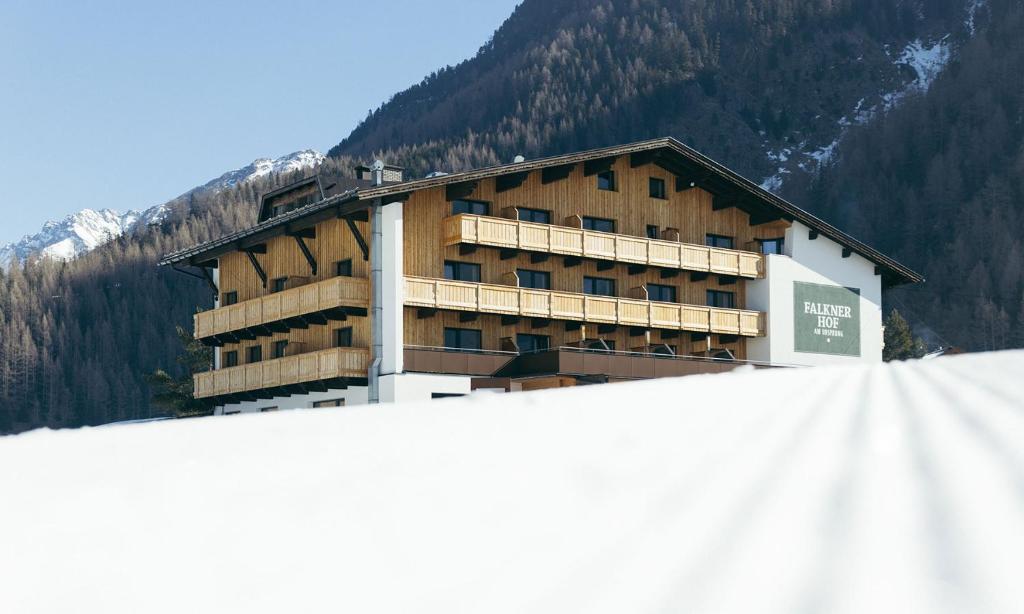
(393, 282)
(818, 261)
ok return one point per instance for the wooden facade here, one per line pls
(656, 240)
(688, 215)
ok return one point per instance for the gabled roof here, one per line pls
(689, 166)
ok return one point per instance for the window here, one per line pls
(277, 285)
(537, 216)
(718, 241)
(657, 188)
(532, 343)
(652, 231)
(463, 339)
(263, 409)
(229, 298)
(540, 280)
(330, 403)
(719, 298)
(598, 224)
(599, 286)
(606, 180)
(230, 359)
(343, 337)
(280, 347)
(661, 293)
(476, 207)
(461, 271)
(445, 395)
(254, 354)
(772, 246)
(343, 268)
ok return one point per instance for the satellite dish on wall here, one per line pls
(518, 160)
(378, 165)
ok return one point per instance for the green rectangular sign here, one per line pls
(826, 319)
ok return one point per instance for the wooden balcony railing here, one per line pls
(314, 366)
(527, 302)
(530, 236)
(334, 293)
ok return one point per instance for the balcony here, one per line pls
(530, 236)
(331, 299)
(294, 371)
(530, 303)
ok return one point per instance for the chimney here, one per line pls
(388, 173)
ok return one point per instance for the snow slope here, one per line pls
(862, 489)
(87, 229)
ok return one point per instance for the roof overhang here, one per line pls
(691, 169)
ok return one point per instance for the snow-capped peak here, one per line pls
(87, 229)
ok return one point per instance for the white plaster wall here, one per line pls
(393, 289)
(819, 261)
(419, 386)
(354, 395)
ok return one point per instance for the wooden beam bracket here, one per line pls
(305, 251)
(363, 247)
(256, 265)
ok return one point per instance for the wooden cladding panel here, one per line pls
(630, 206)
(429, 332)
(333, 242)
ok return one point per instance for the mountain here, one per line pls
(87, 229)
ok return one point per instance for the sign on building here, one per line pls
(826, 319)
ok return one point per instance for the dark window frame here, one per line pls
(606, 181)
(229, 298)
(780, 243)
(278, 284)
(672, 290)
(656, 188)
(521, 341)
(532, 213)
(472, 207)
(229, 359)
(341, 266)
(279, 348)
(591, 221)
(653, 232)
(721, 299)
(253, 354)
(458, 266)
(459, 338)
(343, 337)
(719, 241)
(594, 282)
(532, 275)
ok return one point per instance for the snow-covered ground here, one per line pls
(866, 489)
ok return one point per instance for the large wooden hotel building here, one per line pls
(638, 261)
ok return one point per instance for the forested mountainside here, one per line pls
(742, 81)
(939, 183)
(769, 87)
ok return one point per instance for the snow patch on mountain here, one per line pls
(87, 229)
(924, 60)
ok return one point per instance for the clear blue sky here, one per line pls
(127, 104)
